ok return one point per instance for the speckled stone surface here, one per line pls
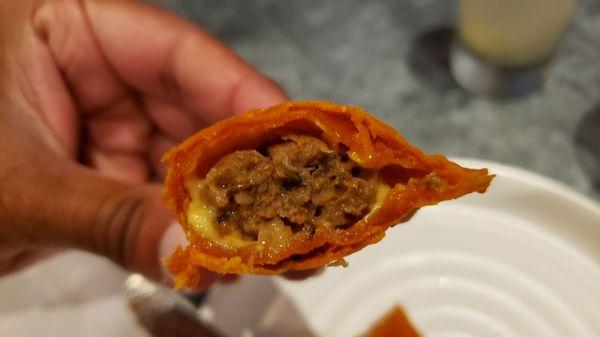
(359, 52)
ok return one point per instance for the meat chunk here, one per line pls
(300, 181)
(235, 175)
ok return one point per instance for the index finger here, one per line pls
(165, 56)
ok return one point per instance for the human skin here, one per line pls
(92, 93)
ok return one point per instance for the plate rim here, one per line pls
(530, 177)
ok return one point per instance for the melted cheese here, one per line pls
(202, 218)
(382, 192)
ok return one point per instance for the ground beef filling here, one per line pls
(299, 181)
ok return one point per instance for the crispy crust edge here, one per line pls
(370, 143)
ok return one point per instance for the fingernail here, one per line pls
(172, 238)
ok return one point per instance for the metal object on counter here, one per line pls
(163, 312)
(587, 144)
(483, 78)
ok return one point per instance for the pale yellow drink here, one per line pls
(513, 33)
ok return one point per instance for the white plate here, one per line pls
(521, 260)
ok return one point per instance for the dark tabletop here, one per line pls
(389, 57)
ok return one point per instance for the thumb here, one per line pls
(73, 206)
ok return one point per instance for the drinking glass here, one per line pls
(503, 46)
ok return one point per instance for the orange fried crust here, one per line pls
(415, 179)
(393, 324)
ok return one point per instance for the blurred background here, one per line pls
(391, 58)
(522, 259)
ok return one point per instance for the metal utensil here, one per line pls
(163, 312)
(256, 306)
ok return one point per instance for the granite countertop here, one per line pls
(367, 53)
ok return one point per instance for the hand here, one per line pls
(92, 93)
